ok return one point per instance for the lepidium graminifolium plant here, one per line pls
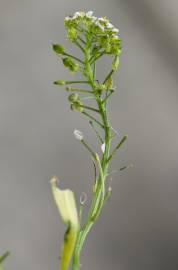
(95, 38)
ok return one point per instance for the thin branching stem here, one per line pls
(74, 57)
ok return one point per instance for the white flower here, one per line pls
(115, 36)
(78, 135)
(99, 25)
(94, 18)
(109, 25)
(103, 147)
(89, 14)
(76, 15)
(115, 30)
(67, 18)
(103, 20)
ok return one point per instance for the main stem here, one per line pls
(98, 198)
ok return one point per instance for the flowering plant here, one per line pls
(95, 37)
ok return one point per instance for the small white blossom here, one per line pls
(109, 25)
(103, 20)
(78, 135)
(115, 30)
(67, 18)
(99, 25)
(89, 14)
(94, 18)
(76, 15)
(115, 36)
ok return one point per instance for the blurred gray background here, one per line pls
(138, 229)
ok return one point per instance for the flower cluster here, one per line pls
(103, 33)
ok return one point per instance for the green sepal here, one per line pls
(66, 205)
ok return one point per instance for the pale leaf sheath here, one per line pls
(66, 205)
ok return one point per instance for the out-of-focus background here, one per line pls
(138, 229)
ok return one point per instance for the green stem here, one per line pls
(108, 76)
(88, 148)
(94, 119)
(74, 57)
(69, 89)
(96, 131)
(117, 147)
(73, 82)
(89, 108)
(99, 194)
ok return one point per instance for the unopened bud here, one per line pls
(60, 82)
(76, 106)
(59, 49)
(72, 34)
(73, 97)
(70, 64)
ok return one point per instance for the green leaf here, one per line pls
(66, 205)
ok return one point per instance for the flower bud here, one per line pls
(76, 106)
(59, 49)
(60, 82)
(70, 64)
(73, 97)
(72, 34)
